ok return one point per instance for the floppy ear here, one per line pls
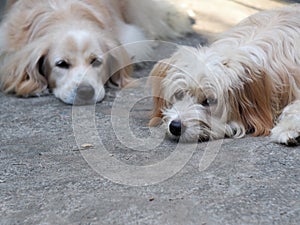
(119, 67)
(20, 71)
(157, 75)
(252, 102)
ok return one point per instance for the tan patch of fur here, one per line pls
(261, 101)
(156, 76)
(23, 78)
(252, 104)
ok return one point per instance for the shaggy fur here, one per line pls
(74, 47)
(246, 81)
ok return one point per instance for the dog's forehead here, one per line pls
(196, 65)
(75, 45)
(78, 41)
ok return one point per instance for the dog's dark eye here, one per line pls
(209, 102)
(96, 62)
(62, 64)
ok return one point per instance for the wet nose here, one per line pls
(85, 92)
(175, 128)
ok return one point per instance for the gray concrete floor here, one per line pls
(48, 174)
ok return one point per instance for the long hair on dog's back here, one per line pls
(243, 82)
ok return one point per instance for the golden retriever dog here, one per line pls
(246, 81)
(75, 47)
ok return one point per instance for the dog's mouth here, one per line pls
(80, 95)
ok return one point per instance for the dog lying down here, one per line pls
(73, 47)
(246, 81)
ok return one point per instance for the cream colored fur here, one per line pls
(246, 81)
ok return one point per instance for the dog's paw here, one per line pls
(287, 137)
(45, 92)
(287, 130)
(40, 93)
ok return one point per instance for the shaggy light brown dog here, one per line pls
(246, 81)
(75, 47)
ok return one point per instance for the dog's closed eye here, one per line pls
(179, 94)
(96, 62)
(209, 102)
(63, 64)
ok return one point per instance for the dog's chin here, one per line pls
(203, 132)
(184, 139)
(74, 99)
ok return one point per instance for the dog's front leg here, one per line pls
(287, 130)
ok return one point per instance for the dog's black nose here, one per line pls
(85, 92)
(175, 128)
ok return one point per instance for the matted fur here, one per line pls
(239, 84)
(62, 44)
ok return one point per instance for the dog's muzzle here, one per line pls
(178, 129)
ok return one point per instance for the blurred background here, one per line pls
(212, 16)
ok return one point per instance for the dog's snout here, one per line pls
(85, 92)
(176, 128)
